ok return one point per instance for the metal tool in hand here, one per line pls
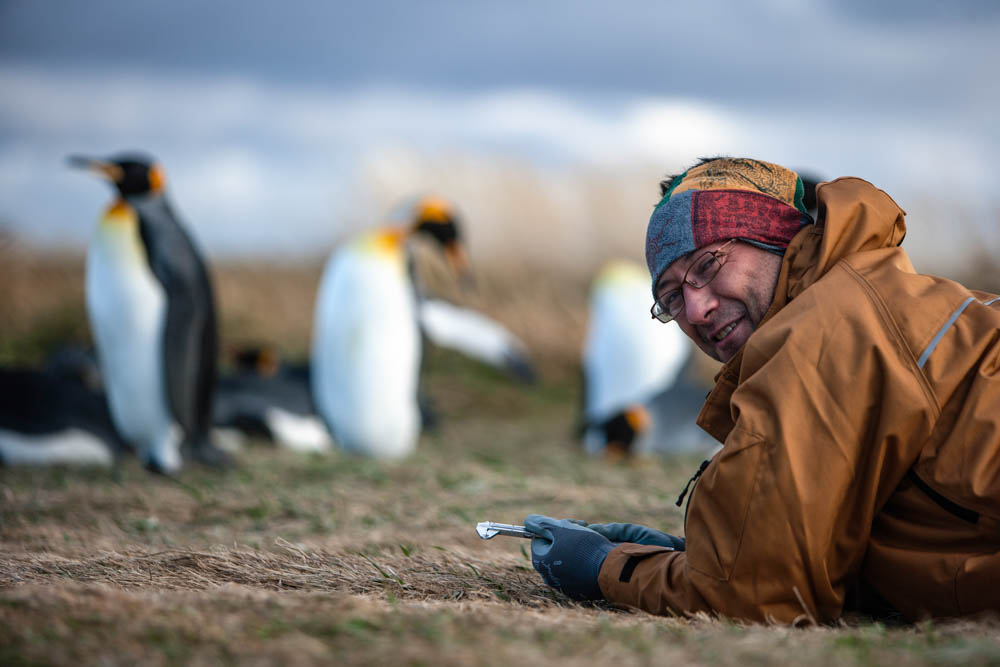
(489, 529)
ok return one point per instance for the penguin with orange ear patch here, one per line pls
(366, 347)
(451, 326)
(152, 313)
(628, 360)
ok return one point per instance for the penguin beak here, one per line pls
(107, 170)
(458, 260)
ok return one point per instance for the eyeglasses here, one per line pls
(700, 273)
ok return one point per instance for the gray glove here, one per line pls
(567, 555)
(636, 534)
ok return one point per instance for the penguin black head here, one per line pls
(621, 431)
(132, 174)
(263, 361)
(436, 218)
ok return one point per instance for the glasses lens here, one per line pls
(703, 270)
(657, 312)
(669, 312)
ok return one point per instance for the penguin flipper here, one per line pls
(190, 334)
(477, 336)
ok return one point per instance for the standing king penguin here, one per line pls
(366, 340)
(152, 314)
(627, 361)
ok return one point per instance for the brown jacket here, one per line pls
(861, 431)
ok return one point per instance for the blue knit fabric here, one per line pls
(670, 234)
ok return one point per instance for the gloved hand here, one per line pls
(632, 532)
(567, 555)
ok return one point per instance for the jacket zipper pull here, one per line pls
(701, 469)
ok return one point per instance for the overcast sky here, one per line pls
(265, 110)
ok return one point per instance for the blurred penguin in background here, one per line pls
(56, 415)
(476, 336)
(152, 313)
(616, 436)
(637, 398)
(371, 314)
(462, 329)
(267, 398)
(366, 339)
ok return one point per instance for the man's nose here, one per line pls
(699, 303)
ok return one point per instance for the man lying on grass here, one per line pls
(858, 407)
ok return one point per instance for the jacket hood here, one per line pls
(854, 216)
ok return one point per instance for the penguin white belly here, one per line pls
(127, 308)
(70, 447)
(300, 433)
(366, 352)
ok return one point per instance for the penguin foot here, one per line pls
(165, 461)
(616, 452)
(520, 367)
(429, 420)
(157, 468)
(212, 457)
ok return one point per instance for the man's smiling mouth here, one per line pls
(723, 332)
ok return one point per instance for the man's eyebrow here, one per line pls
(660, 283)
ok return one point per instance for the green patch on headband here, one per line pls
(673, 186)
(800, 191)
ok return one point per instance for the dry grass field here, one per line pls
(292, 559)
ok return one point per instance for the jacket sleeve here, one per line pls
(779, 522)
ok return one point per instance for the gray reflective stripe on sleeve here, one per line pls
(942, 331)
(991, 301)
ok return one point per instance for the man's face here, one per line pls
(720, 316)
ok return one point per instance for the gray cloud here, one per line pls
(268, 112)
(767, 53)
(288, 169)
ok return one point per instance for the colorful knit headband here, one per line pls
(727, 198)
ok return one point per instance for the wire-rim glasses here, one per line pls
(701, 272)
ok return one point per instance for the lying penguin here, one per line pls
(267, 398)
(53, 416)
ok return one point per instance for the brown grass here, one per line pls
(443, 576)
(317, 560)
(307, 561)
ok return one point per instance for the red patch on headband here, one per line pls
(717, 215)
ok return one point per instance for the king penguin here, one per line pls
(268, 398)
(152, 313)
(52, 416)
(629, 361)
(366, 345)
